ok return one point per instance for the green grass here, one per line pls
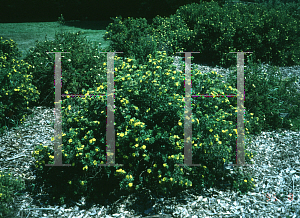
(25, 34)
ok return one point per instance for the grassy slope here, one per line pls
(25, 34)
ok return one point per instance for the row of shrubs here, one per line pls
(149, 112)
(214, 31)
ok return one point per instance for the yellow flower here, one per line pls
(149, 170)
(144, 147)
(211, 130)
(154, 165)
(252, 179)
(130, 184)
(164, 164)
(245, 180)
(179, 123)
(86, 167)
(70, 140)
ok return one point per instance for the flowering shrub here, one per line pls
(149, 121)
(16, 90)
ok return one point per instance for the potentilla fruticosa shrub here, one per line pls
(80, 67)
(213, 31)
(241, 27)
(17, 90)
(137, 39)
(267, 95)
(134, 37)
(149, 131)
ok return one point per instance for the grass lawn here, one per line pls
(25, 34)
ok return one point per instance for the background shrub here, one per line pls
(80, 67)
(131, 36)
(267, 95)
(214, 31)
(242, 27)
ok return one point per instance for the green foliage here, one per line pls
(131, 36)
(16, 90)
(138, 39)
(267, 95)
(61, 20)
(80, 67)
(174, 32)
(213, 31)
(242, 27)
(149, 117)
(9, 188)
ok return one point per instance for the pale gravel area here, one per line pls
(276, 169)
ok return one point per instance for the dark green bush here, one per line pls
(131, 36)
(80, 67)
(137, 39)
(9, 188)
(149, 117)
(267, 95)
(17, 91)
(242, 27)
